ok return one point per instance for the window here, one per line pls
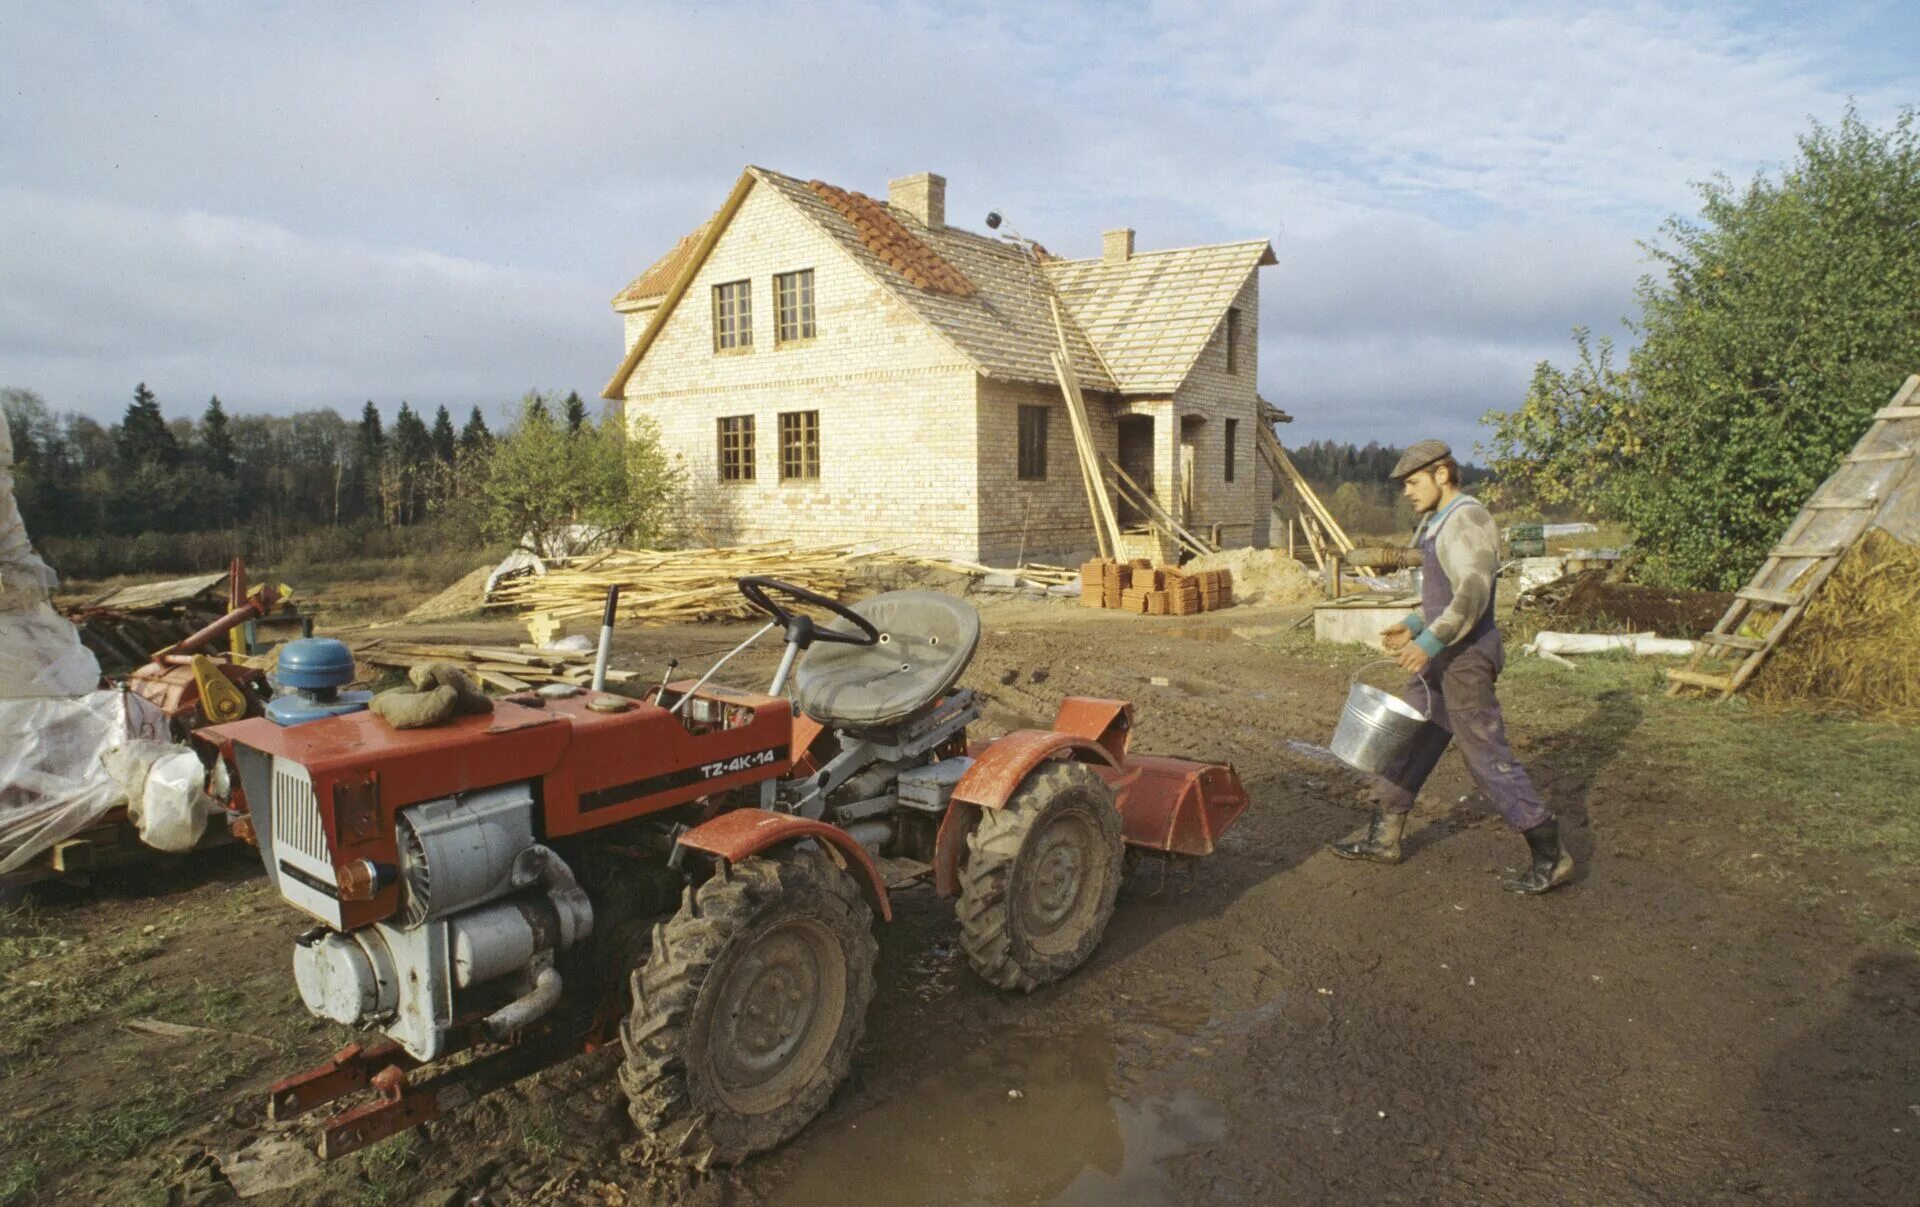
(736, 448)
(1033, 444)
(1233, 436)
(732, 317)
(1233, 345)
(793, 306)
(799, 446)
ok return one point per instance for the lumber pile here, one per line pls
(498, 667)
(1140, 586)
(661, 586)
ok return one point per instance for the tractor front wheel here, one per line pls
(1040, 879)
(748, 1009)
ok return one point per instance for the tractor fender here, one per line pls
(998, 771)
(740, 833)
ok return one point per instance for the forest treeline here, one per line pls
(152, 494)
(1351, 479)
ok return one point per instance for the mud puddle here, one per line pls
(1027, 1119)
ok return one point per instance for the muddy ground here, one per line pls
(1286, 1027)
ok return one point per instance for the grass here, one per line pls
(123, 1130)
(1826, 802)
(17, 1177)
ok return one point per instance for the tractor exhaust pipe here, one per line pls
(606, 639)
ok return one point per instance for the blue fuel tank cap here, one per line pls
(315, 664)
(314, 669)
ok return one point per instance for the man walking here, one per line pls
(1452, 646)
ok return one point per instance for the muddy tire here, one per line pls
(1040, 878)
(748, 1009)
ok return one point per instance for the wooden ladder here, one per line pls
(1755, 602)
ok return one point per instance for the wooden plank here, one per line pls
(1779, 599)
(1082, 426)
(1897, 454)
(1842, 504)
(1815, 552)
(1734, 641)
(1897, 413)
(501, 680)
(1680, 678)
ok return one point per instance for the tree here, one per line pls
(216, 441)
(544, 482)
(1783, 318)
(410, 462)
(443, 439)
(576, 411)
(1561, 446)
(474, 437)
(144, 437)
(369, 458)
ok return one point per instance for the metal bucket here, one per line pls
(1375, 725)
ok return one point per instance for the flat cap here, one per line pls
(1421, 455)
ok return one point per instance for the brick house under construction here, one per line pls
(831, 368)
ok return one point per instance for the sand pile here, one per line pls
(1261, 576)
(463, 598)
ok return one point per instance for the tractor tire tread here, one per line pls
(993, 851)
(653, 1073)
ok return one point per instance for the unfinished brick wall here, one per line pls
(898, 460)
(1212, 395)
(1049, 519)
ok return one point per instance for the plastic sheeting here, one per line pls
(1641, 644)
(40, 653)
(54, 781)
(164, 788)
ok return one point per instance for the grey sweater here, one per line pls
(1468, 548)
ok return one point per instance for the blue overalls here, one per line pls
(1465, 709)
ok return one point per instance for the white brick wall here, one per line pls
(896, 401)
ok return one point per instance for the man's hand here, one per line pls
(1395, 636)
(1411, 658)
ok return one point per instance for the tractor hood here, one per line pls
(511, 743)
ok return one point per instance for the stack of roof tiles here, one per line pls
(1140, 586)
(887, 238)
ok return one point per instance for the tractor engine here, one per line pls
(484, 910)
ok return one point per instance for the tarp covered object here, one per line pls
(53, 780)
(40, 653)
(54, 727)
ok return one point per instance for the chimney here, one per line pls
(922, 196)
(1116, 247)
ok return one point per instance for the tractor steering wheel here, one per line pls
(801, 630)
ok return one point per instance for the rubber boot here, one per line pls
(1382, 843)
(1552, 866)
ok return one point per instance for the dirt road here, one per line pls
(1285, 1028)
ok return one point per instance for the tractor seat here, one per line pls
(926, 641)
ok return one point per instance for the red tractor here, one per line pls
(693, 872)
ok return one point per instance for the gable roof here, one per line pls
(991, 299)
(1152, 314)
(659, 276)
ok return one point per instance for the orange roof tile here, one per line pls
(655, 281)
(886, 238)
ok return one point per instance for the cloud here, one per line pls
(98, 296)
(316, 204)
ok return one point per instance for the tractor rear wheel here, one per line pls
(748, 1009)
(1040, 879)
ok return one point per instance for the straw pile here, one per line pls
(1857, 646)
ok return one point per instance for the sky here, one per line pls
(296, 205)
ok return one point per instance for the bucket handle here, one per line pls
(1427, 714)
